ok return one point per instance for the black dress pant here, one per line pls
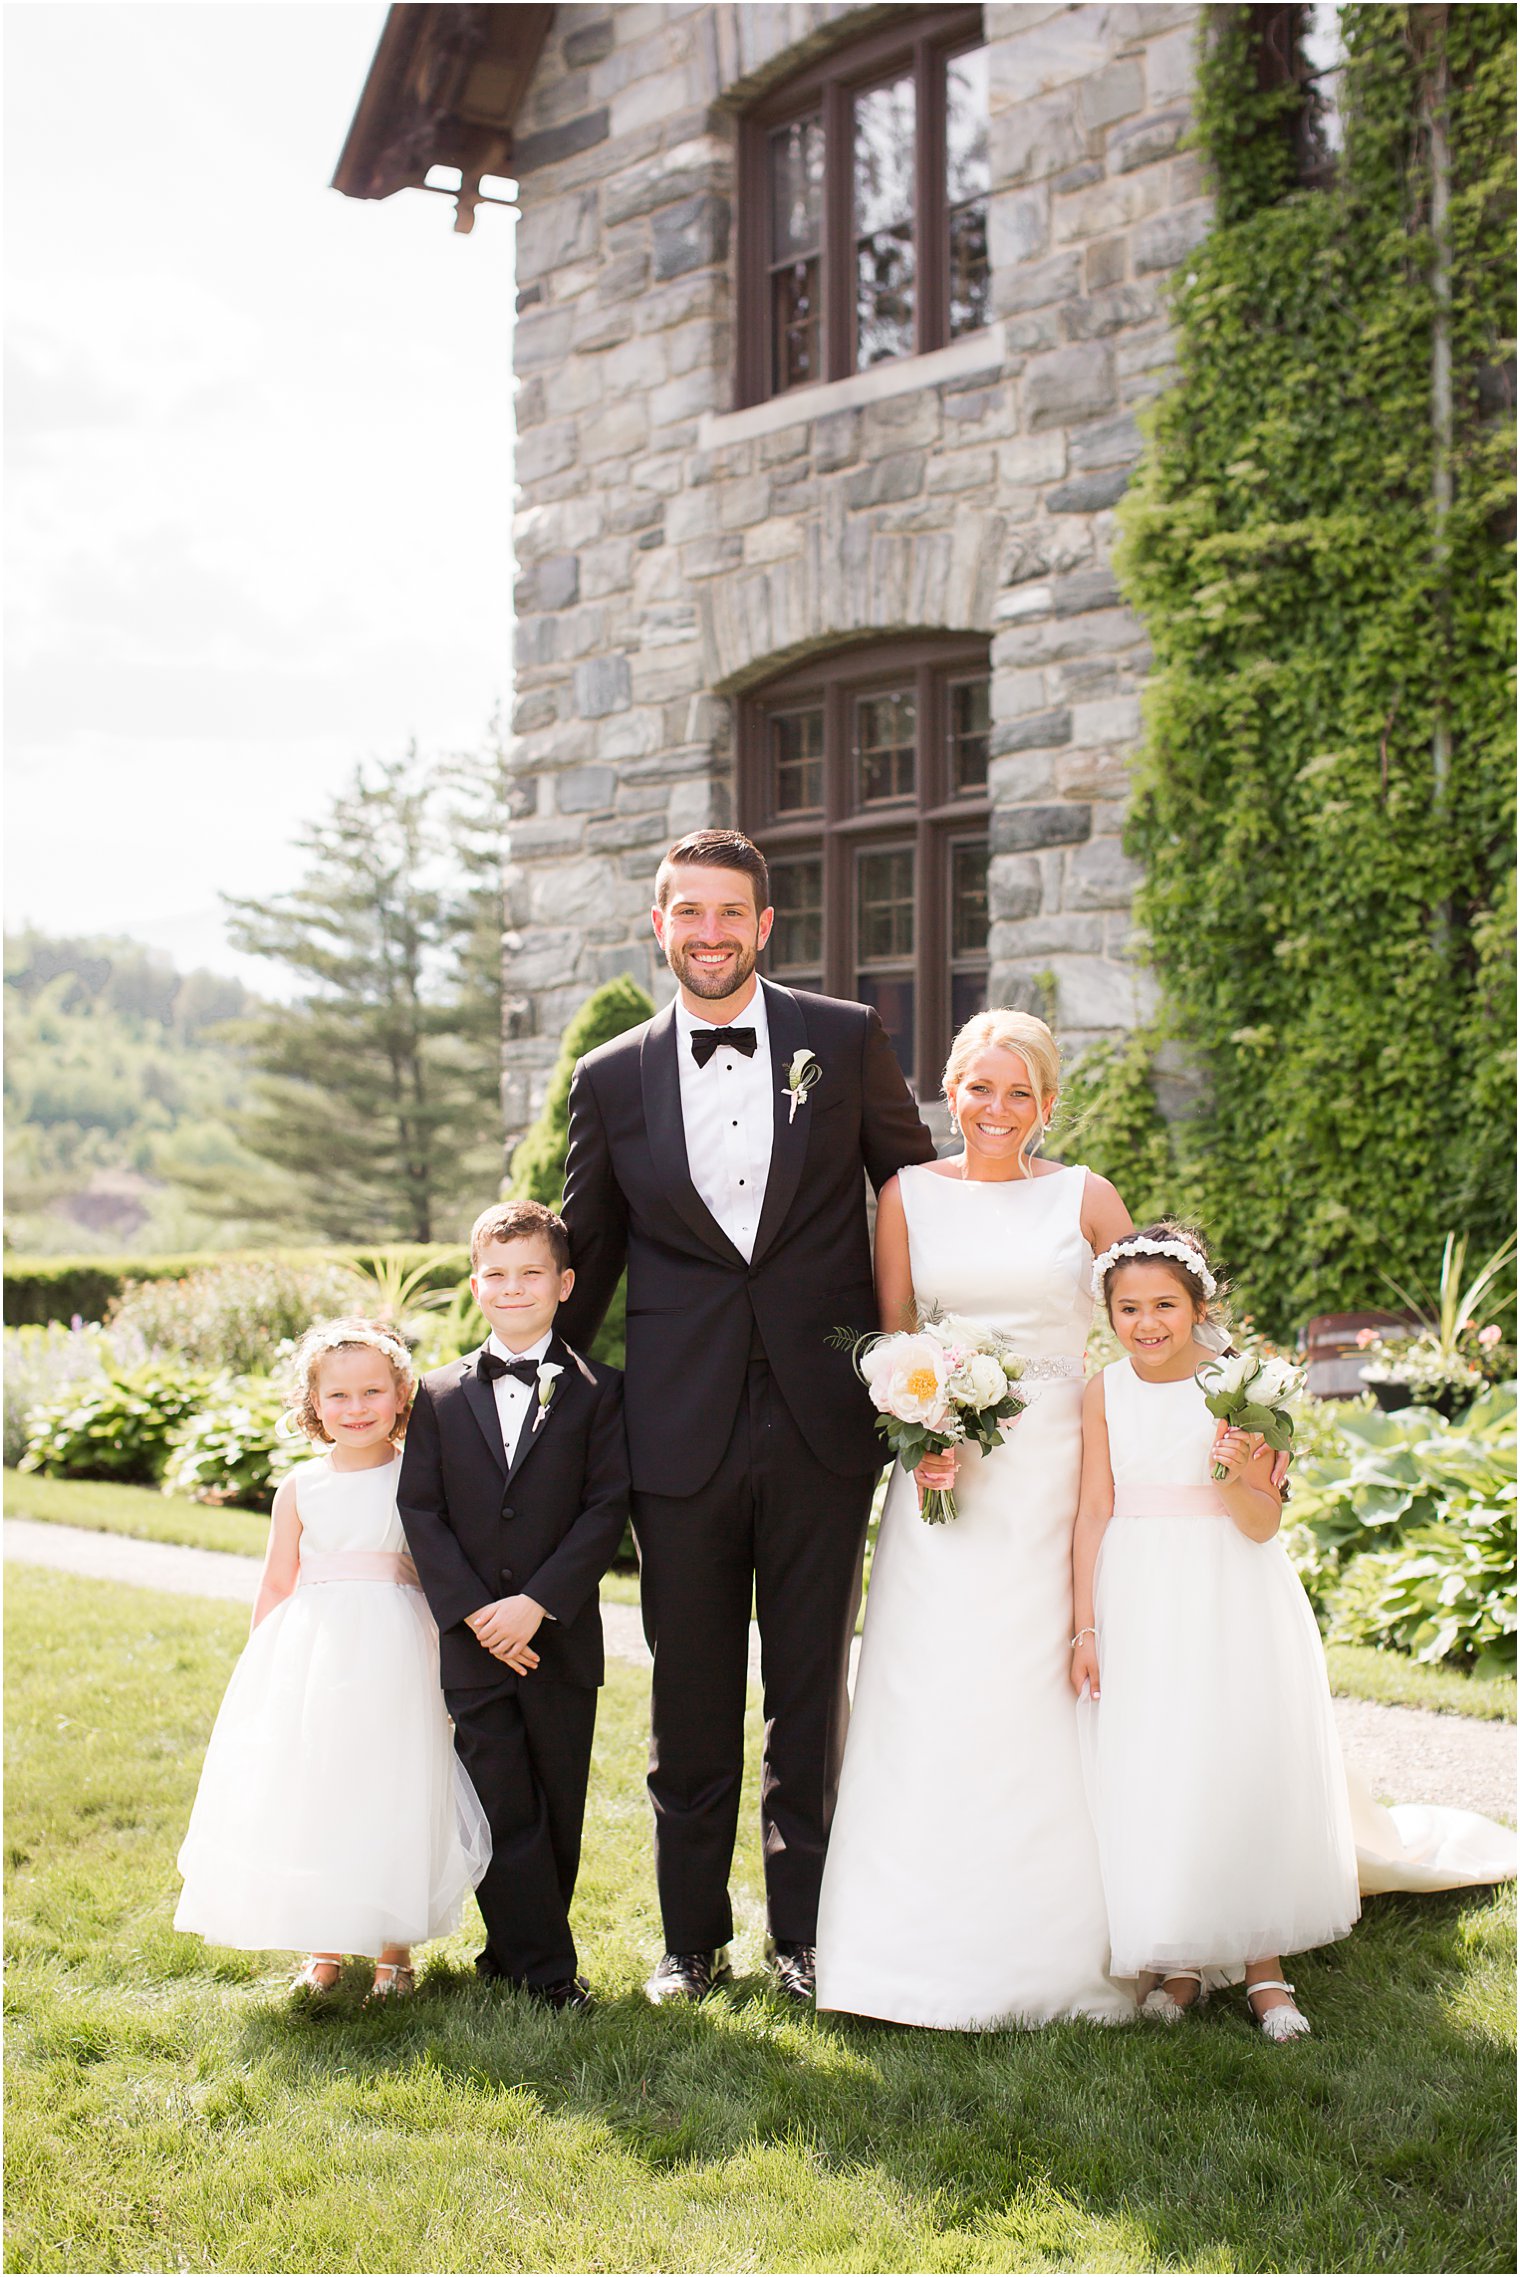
(773, 1521)
(527, 1747)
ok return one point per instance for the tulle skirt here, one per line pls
(1212, 1758)
(332, 1813)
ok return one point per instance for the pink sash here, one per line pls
(1168, 1502)
(359, 1565)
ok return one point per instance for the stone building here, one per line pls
(834, 322)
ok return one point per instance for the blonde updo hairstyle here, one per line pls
(1028, 1039)
(350, 1335)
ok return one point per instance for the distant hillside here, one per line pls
(121, 1083)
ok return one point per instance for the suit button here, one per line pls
(506, 1575)
(507, 1511)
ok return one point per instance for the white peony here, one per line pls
(1229, 1374)
(985, 1379)
(1278, 1381)
(906, 1377)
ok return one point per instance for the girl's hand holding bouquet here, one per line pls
(949, 1383)
(1249, 1392)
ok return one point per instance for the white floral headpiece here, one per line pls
(1145, 1245)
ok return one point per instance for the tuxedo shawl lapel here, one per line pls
(660, 1077)
(540, 1420)
(481, 1398)
(790, 1135)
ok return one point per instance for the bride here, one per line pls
(961, 1887)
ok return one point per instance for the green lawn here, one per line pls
(168, 2110)
(1355, 1670)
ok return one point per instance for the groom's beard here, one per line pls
(713, 987)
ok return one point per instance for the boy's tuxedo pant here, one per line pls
(771, 1523)
(527, 1747)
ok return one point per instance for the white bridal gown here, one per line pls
(961, 1888)
(333, 1814)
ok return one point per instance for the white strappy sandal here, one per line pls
(1286, 2021)
(1162, 2008)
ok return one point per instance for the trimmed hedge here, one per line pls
(43, 1289)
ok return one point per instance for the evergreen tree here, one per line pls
(377, 1091)
(538, 1165)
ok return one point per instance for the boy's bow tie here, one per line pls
(705, 1041)
(491, 1368)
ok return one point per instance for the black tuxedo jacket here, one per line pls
(693, 1302)
(548, 1528)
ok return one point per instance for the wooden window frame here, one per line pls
(933, 819)
(923, 44)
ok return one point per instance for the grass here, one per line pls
(1358, 1671)
(169, 2109)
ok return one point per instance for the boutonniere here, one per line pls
(547, 1371)
(802, 1073)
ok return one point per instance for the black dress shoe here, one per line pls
(570, 1992)
(688, 1976)
(795, 1969)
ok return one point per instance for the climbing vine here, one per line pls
(1322, 553)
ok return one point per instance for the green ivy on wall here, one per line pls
(1323, 559)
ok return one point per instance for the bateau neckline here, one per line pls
(371, 1470)
(1146, 1383)
(1061, 1170)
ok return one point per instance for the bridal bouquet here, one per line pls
(1250, 1392)
(949, 1383)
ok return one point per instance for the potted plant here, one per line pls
(1448, 1355)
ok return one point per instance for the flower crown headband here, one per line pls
(1144, 1245)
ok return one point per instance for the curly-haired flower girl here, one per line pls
(1224, 1826)
(333, 1815)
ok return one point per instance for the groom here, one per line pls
(718, 1150)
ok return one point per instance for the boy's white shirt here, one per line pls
(513, 1399)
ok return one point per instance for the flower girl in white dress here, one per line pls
(333, 1814)
(1224, 1826)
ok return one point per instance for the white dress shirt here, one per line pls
(513, 1399)
(728, 1109)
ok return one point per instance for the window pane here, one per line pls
(970, 731)
(884, 928)
(884, 253)
(970, 270)
(967, 173)
(796, 350)
(968, 996)
(797, 897)
(886, 730)
(893, 999)
(968, 898)
(796, 155)
(797, 762)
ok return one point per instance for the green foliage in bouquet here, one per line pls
(121, 1428)
(1323, 559)
(232, 1450)
(1404, 1535)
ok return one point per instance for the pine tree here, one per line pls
(377, 1091)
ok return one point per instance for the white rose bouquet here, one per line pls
(1250, 1392)
(948, 1383)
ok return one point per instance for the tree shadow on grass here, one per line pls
(1382, 2141)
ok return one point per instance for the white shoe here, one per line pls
(1160, 2006)
(1286, 2021)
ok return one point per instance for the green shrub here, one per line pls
(538, 1164)
(40, 1362)
(120, 1428)
(1404, 1535)
(42, 1289)
(232, 1448)
(237, 1315)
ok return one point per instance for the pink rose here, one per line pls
(1490, 1336)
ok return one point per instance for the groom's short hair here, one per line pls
(717, 850)
(520, 1221)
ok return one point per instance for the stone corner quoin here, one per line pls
(673, 552)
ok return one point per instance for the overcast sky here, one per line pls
(258, 453)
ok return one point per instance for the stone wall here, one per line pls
(673, 551)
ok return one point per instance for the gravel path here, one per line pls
(1406, 1754)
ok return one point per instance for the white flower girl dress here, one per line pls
(332, 1813)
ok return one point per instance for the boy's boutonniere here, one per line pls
(803, 1072)
(547, 1371)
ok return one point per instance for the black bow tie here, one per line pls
(491, 1368)
(705, 1041)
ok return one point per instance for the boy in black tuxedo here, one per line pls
(514, 1494)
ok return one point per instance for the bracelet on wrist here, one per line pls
(1081, 1633)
